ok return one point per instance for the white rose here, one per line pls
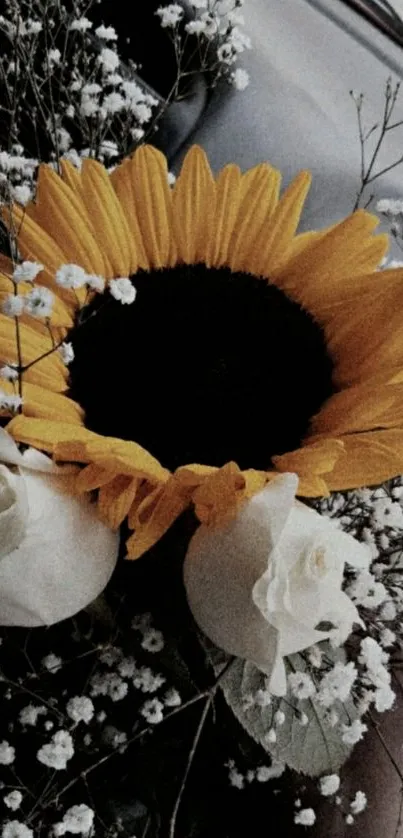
(55, 555)
(260, 586)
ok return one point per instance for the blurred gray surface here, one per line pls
(297, 112)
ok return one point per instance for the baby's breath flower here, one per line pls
(240, 79)
(7, 753)
(122, 290)
(106, 33)
(170, 15)
(329, 784)
(305, 817)
(66, 353)
(56, 753)
(13, 800)
(146, 681)
(22, 194)
(279, 718)
(78, 820)
(354, 732)
(39, 302)
(337, 683)
(359, 803)
(95, 283)
(301, 685)
(80, 708)
(81, 24)
(9, 373)
(70, 276)
(27, 271)
(109, 60)
(172, 698)
(153, 640)
(9, 402)
(52, 662)
(13, 305)
(16, 829)
(29, 715)
(153, 711)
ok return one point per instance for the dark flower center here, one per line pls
(206, 366)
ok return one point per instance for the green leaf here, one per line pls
(315, 748)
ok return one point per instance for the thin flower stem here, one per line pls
(192, 753)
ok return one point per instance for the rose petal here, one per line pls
(13, 510)
(63, 563)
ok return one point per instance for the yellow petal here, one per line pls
(228, 189)
(313, 464)
(193, 197)
(272, 245)
(41, 403)
(122, 182)
(115, 499)
(62, 214)
(368, 460)
(108, 219)
(153, 198)
(358, 409)
(258, 199)
(347, 250)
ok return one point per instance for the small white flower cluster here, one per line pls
(260, 774)
(78, 820)
(56, 753)
(37, 303)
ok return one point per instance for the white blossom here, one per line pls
(337, 683)
(359, 803)
(29, 715)
(95, 283)
(78, 820)
(109, 59)
(269, 772)
(22, 194)
(56, 753)
(81, 24)
(170, 15)
(172, 698)
(13, 800)
(106, 33)
(7, 753)
(240, 79)
(114, 103)
(153, 711)
(147, 681)
(301, 685)
(13, 305)
(16, 829)
(389, 206)
(9, 373)
(80, 708)
(305, 817)
(70, 276)
(384, 698)
(9, 402)
(354, 732)
(39, 302)
(52, 662)
(153, 640)
(349, 820)
(27, 271)
(279, 718)
(66, 353)
(122, 290)
(329, 784)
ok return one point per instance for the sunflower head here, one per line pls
(245, 349)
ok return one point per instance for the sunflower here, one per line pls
(249, 350)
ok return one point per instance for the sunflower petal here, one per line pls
(312, 464)
(194, 197)
(258, 198)
(62, 214)
(273, 243)
(122, 182)
(228, 189)
(368, 459)
(153, 198)
(115, 499)
(355, 410)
